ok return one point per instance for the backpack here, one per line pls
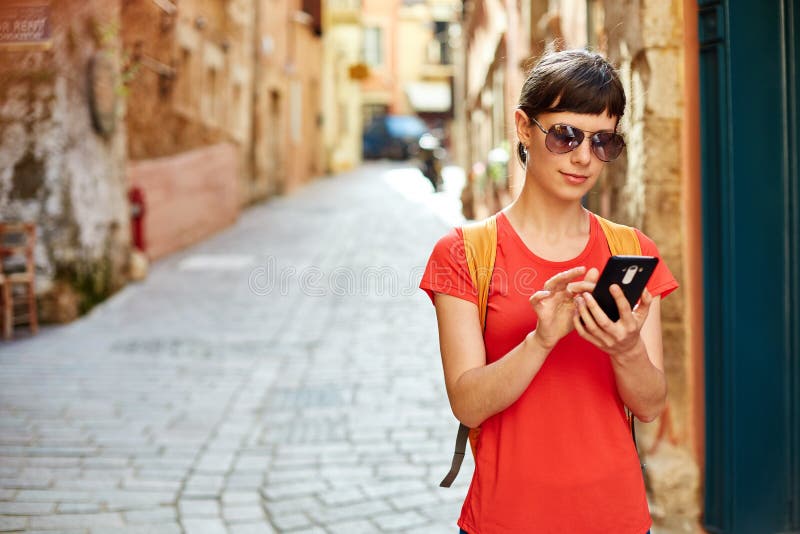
(480, 247)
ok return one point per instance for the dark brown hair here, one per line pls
(578, 81)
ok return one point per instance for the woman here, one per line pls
(548, 378)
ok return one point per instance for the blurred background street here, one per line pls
(282, 381)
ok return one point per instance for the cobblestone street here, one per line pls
(282, 376)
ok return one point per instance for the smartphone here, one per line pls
(630, 273)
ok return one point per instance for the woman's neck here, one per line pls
(535, 213)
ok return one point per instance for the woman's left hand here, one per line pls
(619, 338)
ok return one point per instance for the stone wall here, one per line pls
(645, 39)
(56, 169)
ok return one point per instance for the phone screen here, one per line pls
(631, 273)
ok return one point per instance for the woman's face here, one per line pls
(571, 175)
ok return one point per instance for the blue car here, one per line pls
(393, 136)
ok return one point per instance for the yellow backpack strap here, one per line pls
(480, 247)
(622, 240)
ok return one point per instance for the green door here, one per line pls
(749, 134)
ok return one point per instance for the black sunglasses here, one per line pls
(563, 138)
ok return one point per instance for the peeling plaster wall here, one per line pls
(55, 169)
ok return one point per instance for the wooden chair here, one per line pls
(17, 277)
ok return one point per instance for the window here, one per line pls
(185, 80)
(373, 46)
(211, 95)
(439, 52)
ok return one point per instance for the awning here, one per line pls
(429, 97)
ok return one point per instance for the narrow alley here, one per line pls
(282, 376)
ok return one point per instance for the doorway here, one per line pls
(749, 137)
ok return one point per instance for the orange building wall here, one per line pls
(302, 125)
(188, 197)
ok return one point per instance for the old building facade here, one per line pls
(385, 57)
(343, 69)
(63, 150)
(149, 124)
(226, 112)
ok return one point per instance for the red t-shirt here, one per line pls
(561, 458)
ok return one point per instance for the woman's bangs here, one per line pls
(591, 99)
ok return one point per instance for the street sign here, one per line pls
(25, 24)
(359, 71)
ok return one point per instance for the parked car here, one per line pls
(393, 136)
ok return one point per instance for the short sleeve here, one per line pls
(447, 271)
(662, 283)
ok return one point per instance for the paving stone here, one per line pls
(289, 506)
(343, 496)
(399, 521)
(161, 474)
(290, 521)
(23, 483)
(160, 528)
(203, 481)
(240, 497)
(105, 463)
(413, 500)
(131, 500)
(198, 508)
(111, 520)
(53, 496)
(277, 492)
(87, 484)
(248, 463)
(393, 488)
(215, 463)
(239, 513)
(442, 512)
(151, 515)
(244, 481)
(350, 511)
(26, 508)
(204, 526)
(137, 484)
(434, 528)
(279, 476)
(79, 508)
(359, 526)
(200, 493)
(260, 527)
(12, 524)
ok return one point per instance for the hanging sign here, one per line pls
(25, 24)
(358, 71)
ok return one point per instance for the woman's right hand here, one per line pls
(554, 304)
